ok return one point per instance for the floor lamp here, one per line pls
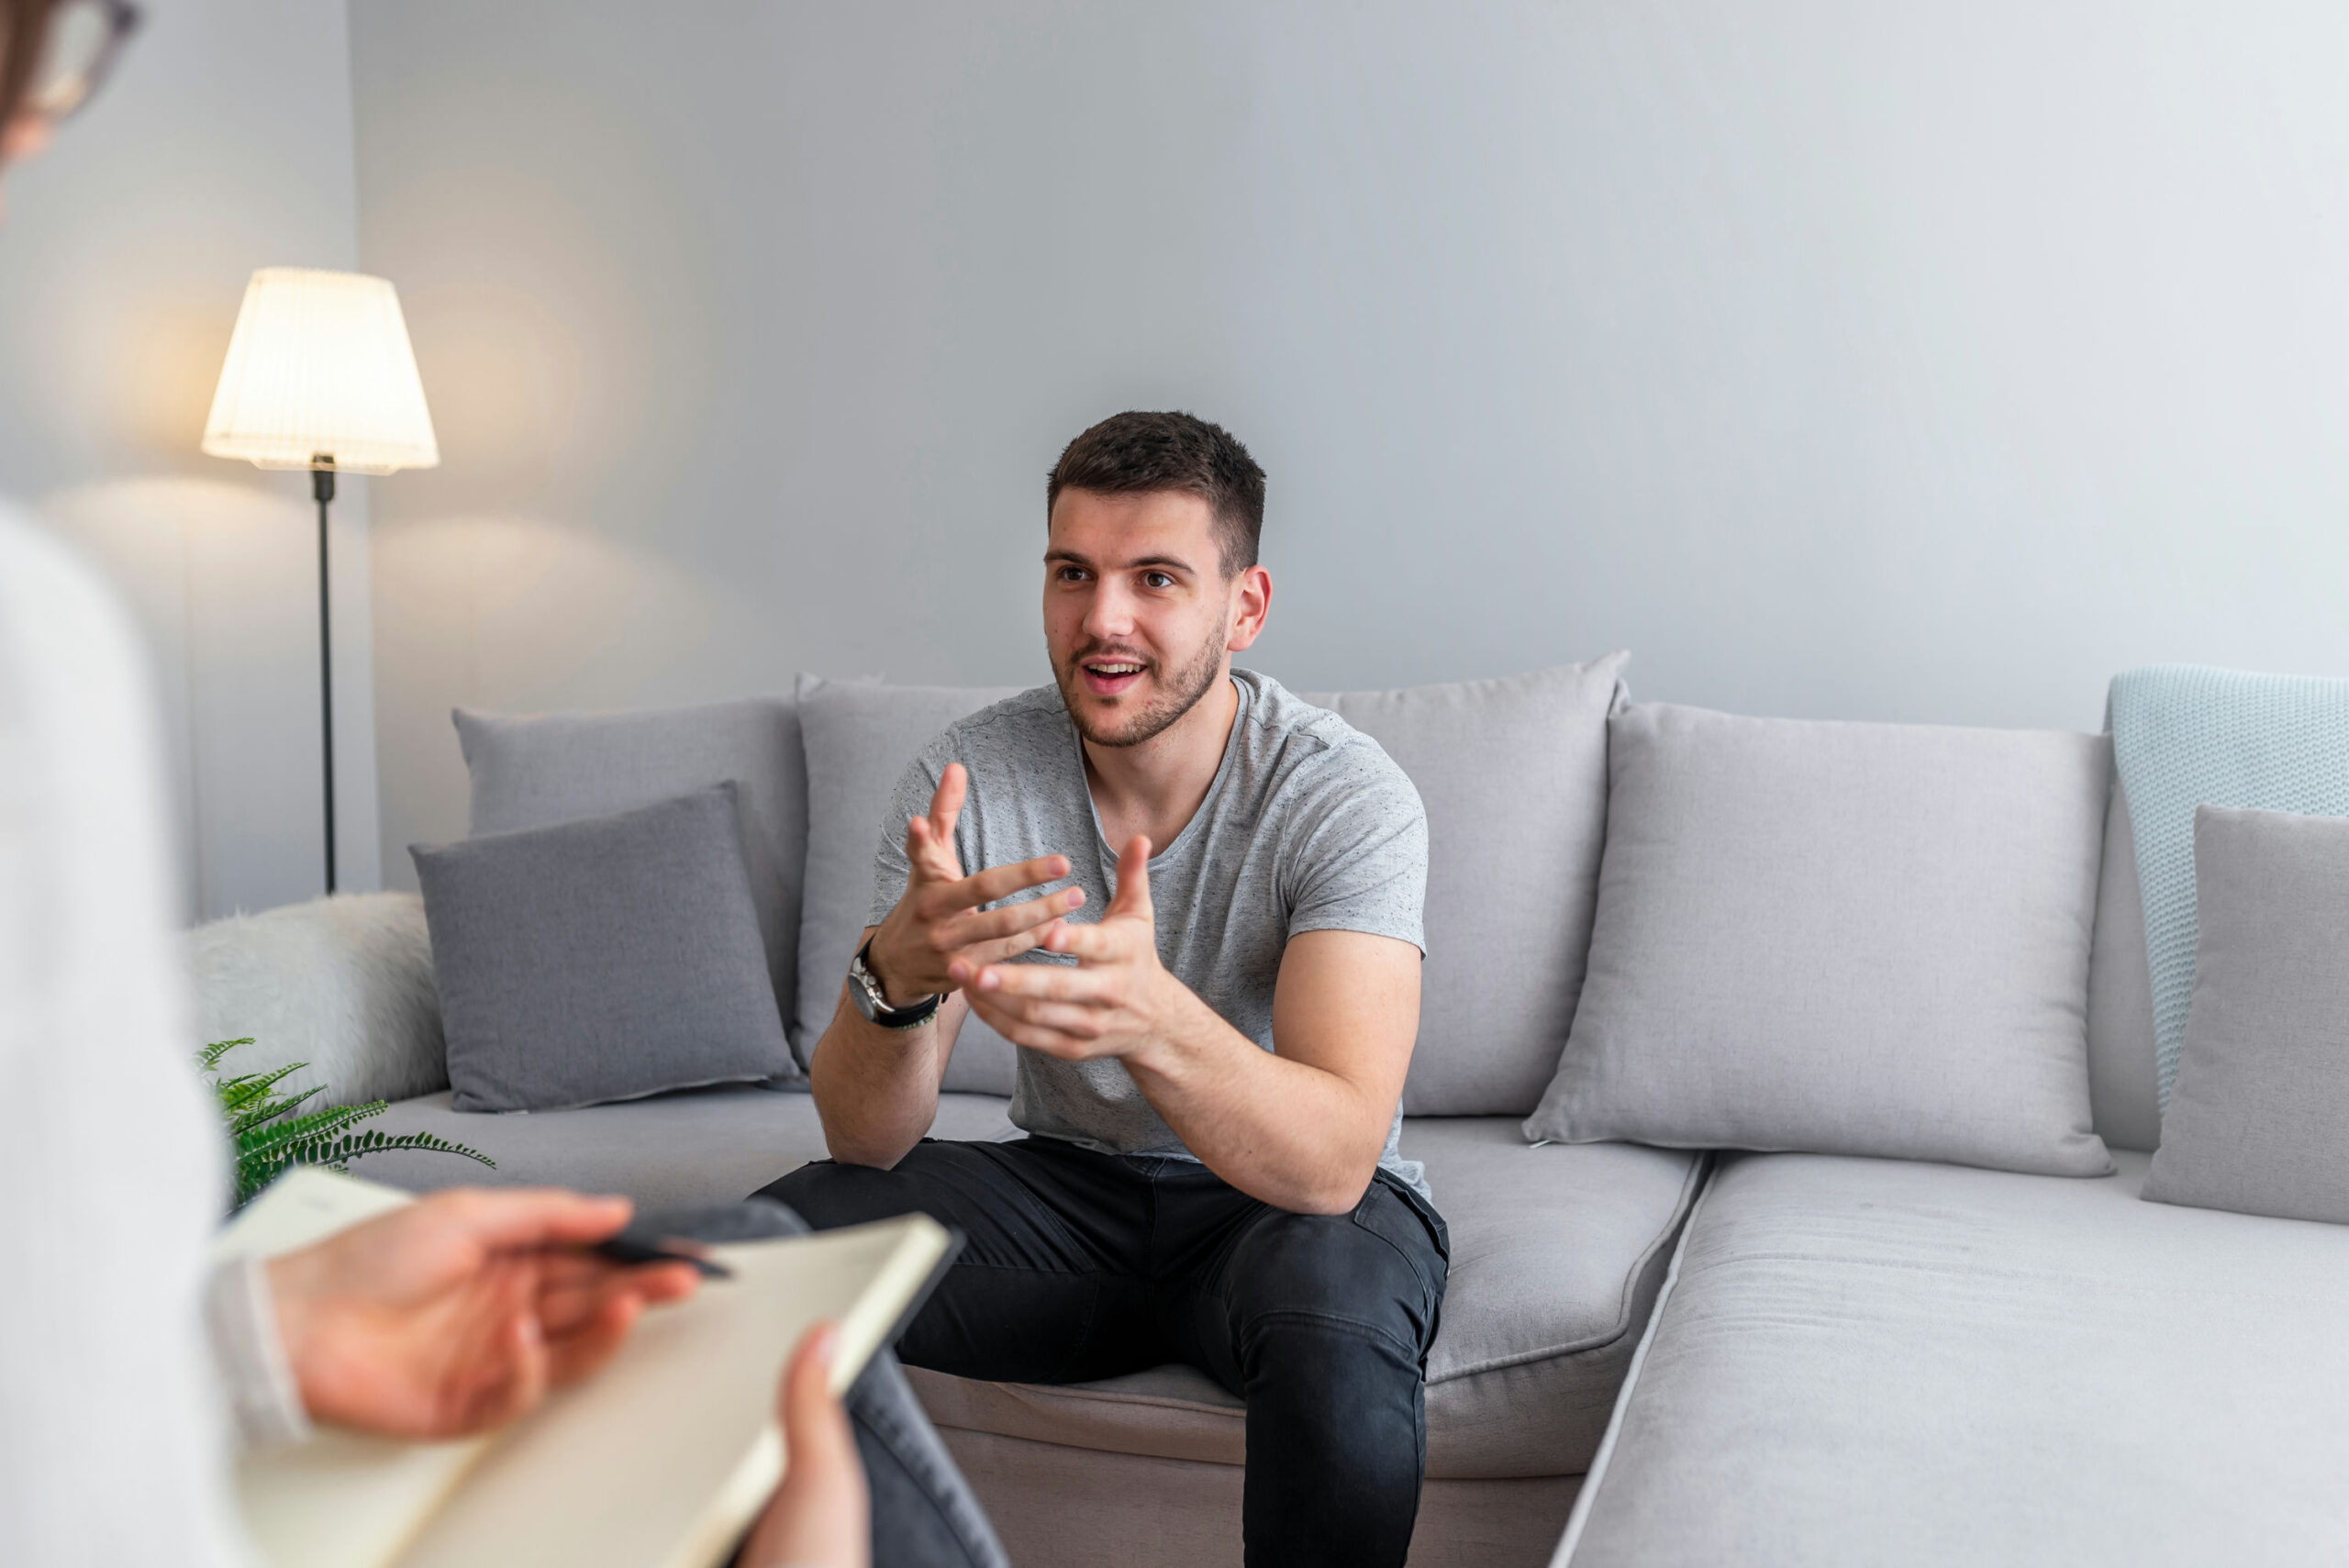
(320, 375)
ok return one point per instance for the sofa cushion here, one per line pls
(699, 1146)
(2186, 735)
(1513, 775)
(1512, 877)
(1556, 1255)
(1864, 1361)
(859, 738)
(2123, 1070)
(2258, 1114)
(547, 768)
(605, 958)
(1860, 939)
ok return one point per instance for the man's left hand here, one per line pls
(1118, 1000)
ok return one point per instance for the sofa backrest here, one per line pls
(1512, 773)
(1857, 939)
(536, 771)
(2121, 1064)
(858, 736)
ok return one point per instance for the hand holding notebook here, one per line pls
(663, 1458)
(821, 1516)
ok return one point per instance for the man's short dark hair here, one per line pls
(1130, 453)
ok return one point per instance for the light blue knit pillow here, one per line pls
(2183, 736)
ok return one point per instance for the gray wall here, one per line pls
(1888, 359)
(223, 144)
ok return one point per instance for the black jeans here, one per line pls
(1080, 1265)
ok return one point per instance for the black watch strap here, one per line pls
(865, 990)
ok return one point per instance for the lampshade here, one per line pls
(320, 366)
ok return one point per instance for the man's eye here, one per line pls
(1070, 574)
(1157, 580)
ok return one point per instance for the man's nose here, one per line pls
(1110, 615)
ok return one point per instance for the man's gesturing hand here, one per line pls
(1118, 1001)
(937, 923)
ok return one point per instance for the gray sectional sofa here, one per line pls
(1701, 1356)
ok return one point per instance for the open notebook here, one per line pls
(661, 1460)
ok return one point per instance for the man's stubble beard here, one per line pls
(1189, 684)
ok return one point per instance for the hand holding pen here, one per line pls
(457, 1312)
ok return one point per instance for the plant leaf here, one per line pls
(267, 1137)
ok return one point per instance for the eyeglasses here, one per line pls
(84, 40)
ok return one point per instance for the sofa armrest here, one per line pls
(344, 984)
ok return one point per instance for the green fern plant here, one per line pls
(267, 1136)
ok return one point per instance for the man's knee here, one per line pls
(828, 1194)
(1330, 1276)
(937, 1178)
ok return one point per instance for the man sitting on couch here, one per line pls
(1213, 1097)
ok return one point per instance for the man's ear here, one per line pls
(1252, 601)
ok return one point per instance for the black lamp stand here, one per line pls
(322, 491)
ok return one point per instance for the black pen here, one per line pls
(631, 1251)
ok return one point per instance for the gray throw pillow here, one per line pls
(2258, 1119)
(537, 770)
(601, 959)
(2124, 1071)
(1513, 775)
(1846, 938)
(860, 736)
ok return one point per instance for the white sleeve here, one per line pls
(112, 1444)
(241, 1321)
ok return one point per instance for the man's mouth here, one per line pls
(1110, 677)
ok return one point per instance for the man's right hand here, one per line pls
(940, 919)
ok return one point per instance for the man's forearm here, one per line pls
(876, 1089)
(1292, 1136)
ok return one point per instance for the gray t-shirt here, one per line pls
(1307, 826)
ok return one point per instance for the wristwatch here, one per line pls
(865, 990)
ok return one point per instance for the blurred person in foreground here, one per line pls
(127, 1368)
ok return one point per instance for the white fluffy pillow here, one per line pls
(344, 984)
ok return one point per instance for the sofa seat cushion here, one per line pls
(698, 1146)
(1869, 1361)
(1557, 1254)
